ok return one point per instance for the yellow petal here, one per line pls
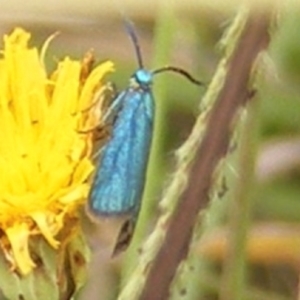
(18, 236)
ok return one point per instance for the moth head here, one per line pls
(142, 79)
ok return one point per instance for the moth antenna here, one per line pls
(179, 71)
(133, 36)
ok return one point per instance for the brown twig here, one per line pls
(233, 95)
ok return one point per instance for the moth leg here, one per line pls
(124, 237)
(113, 108)
(105, 95)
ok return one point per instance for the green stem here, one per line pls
(163, 37)
(233, 283)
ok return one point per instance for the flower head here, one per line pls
(44, 158)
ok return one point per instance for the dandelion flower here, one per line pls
(44, 158)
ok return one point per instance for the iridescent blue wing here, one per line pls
(119, 180)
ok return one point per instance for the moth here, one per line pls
(119, 180)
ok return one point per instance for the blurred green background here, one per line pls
(191, 35)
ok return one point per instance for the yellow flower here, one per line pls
(44, 156)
